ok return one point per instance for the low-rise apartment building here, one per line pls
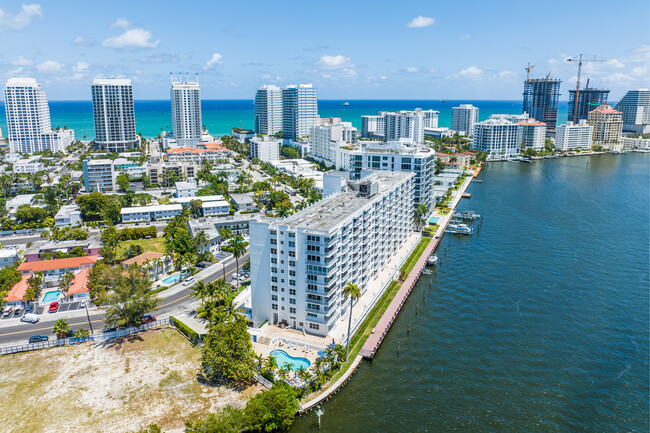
(151, 213)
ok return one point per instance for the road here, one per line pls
(20, 332)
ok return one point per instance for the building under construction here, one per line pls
(541, 96)
(588, 100)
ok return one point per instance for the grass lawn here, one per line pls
(413, 258)
(118, 387)
(362, 335)
(154, 244)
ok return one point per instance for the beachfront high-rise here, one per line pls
(186, 112)
(114, 115)
(300, 264)
(268, 110)
(532, 134)
(635, 107)
(404, 124)
(607, 124)
(328, 135)
(299, 110)
(463, 119)
(373, 126)
(588, 99)
(28, 119)
(498, 137)
(541, 97)
(572, 136)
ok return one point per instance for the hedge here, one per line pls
(185, 330)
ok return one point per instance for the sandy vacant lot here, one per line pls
(121, 387)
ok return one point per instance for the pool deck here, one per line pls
(375, 339)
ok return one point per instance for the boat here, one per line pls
(432, 260)
(468, 215)
(459, 229)
(346, 103)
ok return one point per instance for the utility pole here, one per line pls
(88, 317)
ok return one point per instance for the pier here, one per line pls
(380, 331)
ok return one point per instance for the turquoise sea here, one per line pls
(219, 116)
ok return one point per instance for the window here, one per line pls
(274, 306)
(274, 288)
(292, 263)
(274, 251)
(292, 273)
(292, 301)
(292, 310)
(274, 279)
(274, 260)
(292, 282)
(292, 291)
(313, 326)
(292, 254)
(274, 270)
(274, 297)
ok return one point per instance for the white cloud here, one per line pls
(16, 71)
(465, 37)
(164, 58)
(421, 21)
(471, 72)
(122, 23)
(22, 61)
(214, 60)
(335, 62)
(50, 66)
(132, 38)
(83, 41)
(20, 20)
(80, 67)
(507, 74)
(412, 69)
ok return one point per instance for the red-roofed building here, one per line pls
(16, 294)
(462, 159)
(57, 267)
(210, 151)
(608, 126)
(79, 287)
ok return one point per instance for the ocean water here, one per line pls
(220, 116)
(536, 323)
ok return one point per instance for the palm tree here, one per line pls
(420, 213)
(209, 310)
(283, 373)
(202, 239)
(219, 289)
(81, 332)
(238, 250)
(301, 372)
(271, 364)
(350, 291)
(229, 312)
(199, 290)
(61, 328)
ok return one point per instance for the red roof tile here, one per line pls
(49, 265)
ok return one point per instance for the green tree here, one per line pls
(272, 410)
(202, 240)
(225, 420)
(420, 213)
(132, 298)
(34, 286)
(133, 250)
(151, 428)
(61, 328)
(227, 353)
(195, 208)
(81, 332)
(122, 181)
(238, 250)
(353, 292)
(65, 280)
(26, 214)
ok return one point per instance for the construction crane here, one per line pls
(579, 59)
(528, 71)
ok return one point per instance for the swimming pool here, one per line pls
(434, 220)
(51, 296)
(173, 279)
(283, 357)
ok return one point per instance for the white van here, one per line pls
(30, 317)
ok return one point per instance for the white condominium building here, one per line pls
(463, 119)
(28, 119)
(404, 124)
(635, 108)
(498, 137)
(608, 125)
(299, 265)
(430, 117)
(572, 136)
(393, 156)
(265, 149)
(99, 175)
(268, 110)
(186, 113)
(114, 115)
(151, 213)
(330, 134)
(532, 134)
(299, 110)
(373, 126)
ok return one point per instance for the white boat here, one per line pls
(460, 229)
(346, 103)
(432, 260)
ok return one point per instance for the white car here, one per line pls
(29, 317)
(188, 281)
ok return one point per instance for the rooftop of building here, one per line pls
(241, 198)
(143, 258)
(210, 204)
(8, 252)
(18, 291)
(80, 283)
(337, 208)
(203, 198)
(531, 122)
(403, 146)
(606, 109)
(111, 82)
(49, 265)
(18, 81)
(155, 208)
(20, 200)
(66, 210)
(186, 185)
(100, 162)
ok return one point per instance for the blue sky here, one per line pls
(348, 49)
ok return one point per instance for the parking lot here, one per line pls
(63, 306)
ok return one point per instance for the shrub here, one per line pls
(185, 330)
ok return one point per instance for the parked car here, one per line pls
(7, 311)
(54, 307)
(17, 310)
(109, 329)
(30, 318)
(188, 281)
(83, 304)
(148, 318)
(38, 338)
(29, 309)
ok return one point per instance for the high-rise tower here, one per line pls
(186, 112)
(588, 100)
(114, 114)
(299, 110)
(541, 97)
(268, 110)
